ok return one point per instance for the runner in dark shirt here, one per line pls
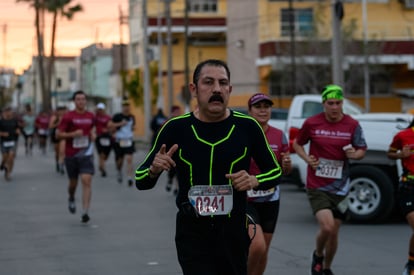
(211, 149)
(123, 124)
(9, 132)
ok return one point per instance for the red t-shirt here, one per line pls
(42, 123)
(72, 121)
(277, 142)
(326, 142)
(101, 123)
(401, 139)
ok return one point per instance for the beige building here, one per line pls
(63, 84)
(270, 51)
(260, 39)
(187, 38)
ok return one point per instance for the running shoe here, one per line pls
(119, 176)
(72, 206)
(408, 269)
(61, 169)
(103, 172)
(328, 271)
(317, 262)
(130, 182)
(85, 218)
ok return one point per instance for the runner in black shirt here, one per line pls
(9, 132)
(211, 149)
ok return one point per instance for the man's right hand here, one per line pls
(163, 159)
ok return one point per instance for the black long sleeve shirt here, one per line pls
(208, 151)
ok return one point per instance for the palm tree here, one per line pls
(38, 5)
(56, 7)
(65, 10)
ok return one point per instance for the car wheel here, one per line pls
(371, 195)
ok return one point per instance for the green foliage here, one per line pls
(62, 7)
(134, 87)
(132, 84)
(154, 83)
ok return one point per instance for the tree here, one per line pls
(56, 7)
(65, 10)
(38, 5)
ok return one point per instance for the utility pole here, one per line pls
(292, 47)
(4, 44)
(186, 92)
(365, 47)
(122, 20)
(337, 71)
(147, 99)
(160, 99)
(169, 53)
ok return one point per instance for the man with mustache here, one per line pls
(211, 149)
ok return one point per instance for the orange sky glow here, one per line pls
(97, 23)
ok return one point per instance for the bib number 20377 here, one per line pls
(210, 200)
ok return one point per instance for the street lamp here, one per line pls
(2, 87)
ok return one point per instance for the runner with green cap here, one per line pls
(332, 92)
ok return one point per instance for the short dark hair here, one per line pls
(209, 62)
(79, 92)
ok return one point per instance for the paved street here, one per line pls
(132, 232)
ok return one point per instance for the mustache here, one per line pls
(216, 98)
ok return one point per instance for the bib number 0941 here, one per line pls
(211, 200)
(210, 204)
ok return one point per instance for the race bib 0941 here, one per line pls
(209, 200)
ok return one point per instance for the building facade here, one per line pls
(293, 53)
(177, 38)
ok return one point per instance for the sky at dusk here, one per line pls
(97, 23)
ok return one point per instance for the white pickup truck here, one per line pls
(374, 178)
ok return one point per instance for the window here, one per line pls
(302, 22)
(72, 74)
(311, 108)
(202, 5)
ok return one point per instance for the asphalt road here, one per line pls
(132, 232)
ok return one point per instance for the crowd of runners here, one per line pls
(224, 168)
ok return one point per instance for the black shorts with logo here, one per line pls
(265, 214)
(102, 145)
(406, 196)
(121, 151)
